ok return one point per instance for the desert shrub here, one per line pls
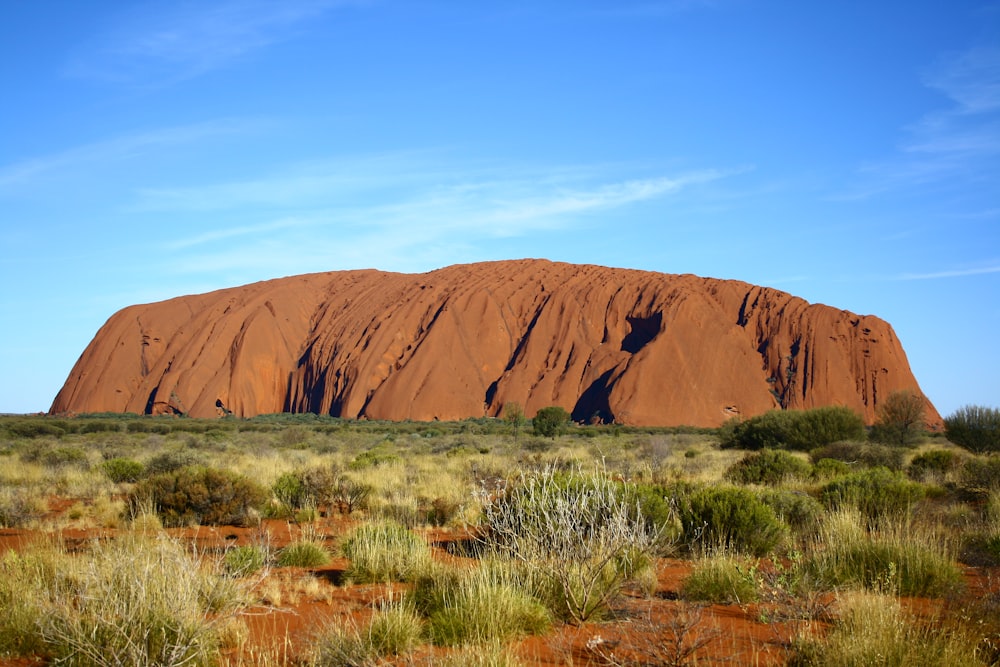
(549, 422)
(767, 466)
(799, 510)
(149, 426)
(382, 552)
(579, 534)
(875, 492)
(900, 420)
(61, 456)
(303, 553)
(826, 468)
(975, 427)
(99, 426)
(201, 495)
(487, 604)
(722, 578)
(120, 470)
(440, 511)
(656, 506)
(34, 428)
(799, 430)
(378, 455)
(171, 461)
(731, 518)
(244, 560)
(873, 629)
(981, 548)
(933, 465)
(392, 630)
(979, 476)
(349, 495)
(860, 454)
(289, 491)
(891, 558)
(19, 507)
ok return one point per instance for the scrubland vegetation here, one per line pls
(173, 541)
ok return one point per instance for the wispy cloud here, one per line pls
(393, 192)
(419, 208)
(115, 149)
(951, 273)
(959, 141)
(172, 41)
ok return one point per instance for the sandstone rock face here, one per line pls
(633, 347)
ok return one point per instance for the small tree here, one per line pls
(974, 427)
(549, 422)
(900, 419)
(513, 414)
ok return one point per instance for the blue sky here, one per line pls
(845, 152)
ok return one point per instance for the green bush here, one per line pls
(974, 427)
(731, 518)
(290, 491)
(121, 470)
(800, 430)
(875, 492)
(979, 476)
(860, 454)
(549, 422)
(57, 457)
(171, 461)
(201, 495)
(933, 465)
(826, 468)
(799, 510)
(767, 466)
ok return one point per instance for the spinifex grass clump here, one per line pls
(873, 629)
(582, 535)
(245, 560)
(487, 604)
(724, 578)
(392, 630)
(877, 493)
(136, 600)
(304, 553)
(892, 557)
(384, 552)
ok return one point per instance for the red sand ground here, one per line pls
(735, 634)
